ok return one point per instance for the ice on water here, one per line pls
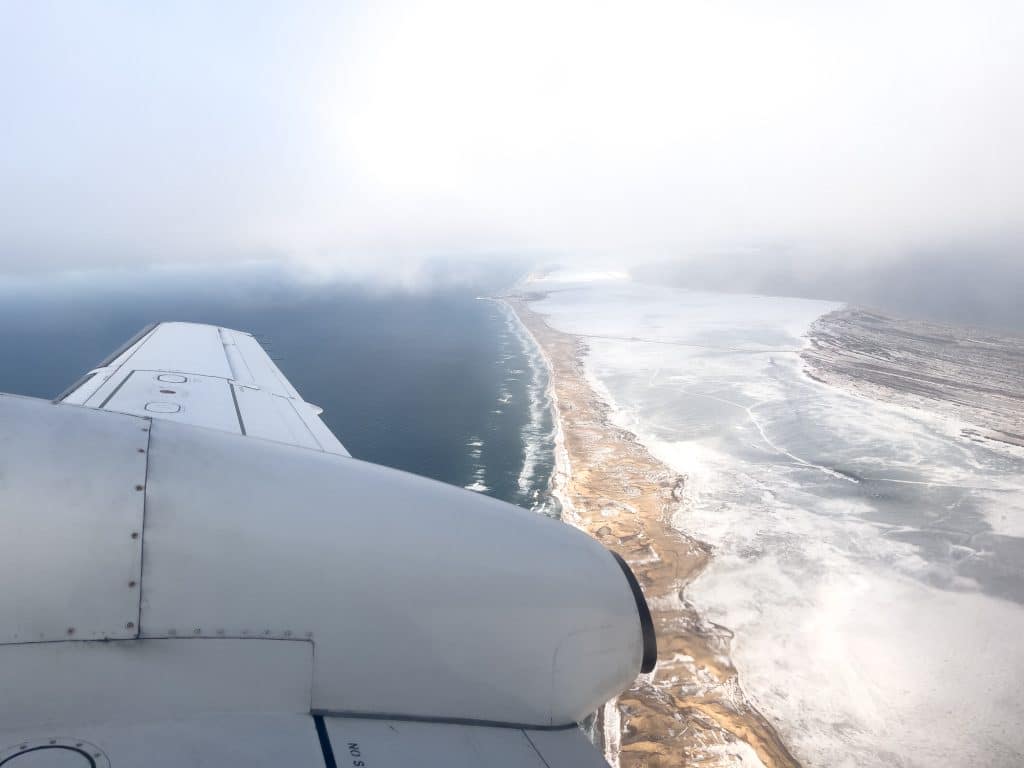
(867, 557)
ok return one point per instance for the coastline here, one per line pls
(607, 721)
(691, 709)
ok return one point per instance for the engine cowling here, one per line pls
(422, 600)
(379, 592)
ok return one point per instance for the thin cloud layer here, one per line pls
(365, 140)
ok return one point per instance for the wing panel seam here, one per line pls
(238, 412)
(116, 389)
(223, 334)
(539, 754)
(142, 528)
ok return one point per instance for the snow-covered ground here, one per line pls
(867, 555)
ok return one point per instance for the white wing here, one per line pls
(208, 377)
(183, 596)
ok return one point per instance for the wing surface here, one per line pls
(205, 376)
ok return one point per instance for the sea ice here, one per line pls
(867, 556)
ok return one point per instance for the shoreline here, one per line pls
(691, 709)
(607, 720)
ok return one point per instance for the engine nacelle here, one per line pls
(363, 590)
(421, 600)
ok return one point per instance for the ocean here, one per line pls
(443, 383)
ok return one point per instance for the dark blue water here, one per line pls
(439, 383)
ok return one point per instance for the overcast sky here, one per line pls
(367, 136)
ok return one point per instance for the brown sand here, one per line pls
(691, 709)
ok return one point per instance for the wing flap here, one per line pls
(256, 364)
(272, 417)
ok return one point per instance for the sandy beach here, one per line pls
(691, 710)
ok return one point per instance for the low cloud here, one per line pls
(376, 142)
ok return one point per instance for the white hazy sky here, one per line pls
(365, 136)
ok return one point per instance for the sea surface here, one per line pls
(868, 558)
(438, 382)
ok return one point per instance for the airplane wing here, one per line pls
(181, 589)
(205, 376)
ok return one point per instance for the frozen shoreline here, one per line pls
(559, 490)
(830, 563)
(613, 489)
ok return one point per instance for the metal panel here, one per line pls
(126, 681)
(309, 414)
(212, 741)
(399, 743)
(83, 389)
(264, 372)
(288, 414)
(566, 748)
(271, 417)
(185, 348)
(71, 515)
(240, 371)
(423, 600)
(109, 381)
(276, 740)
(199, 400)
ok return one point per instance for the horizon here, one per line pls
(797, 149)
